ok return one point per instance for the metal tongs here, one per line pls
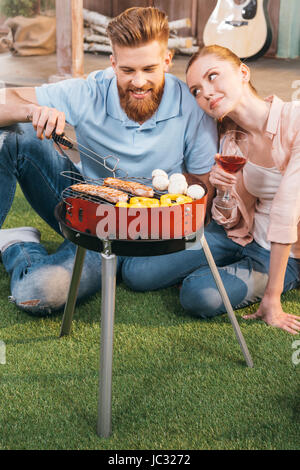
(65, 142)
(110, 162)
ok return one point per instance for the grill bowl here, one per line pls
(160, 223)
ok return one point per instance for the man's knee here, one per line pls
(17, 140)
(22, 137)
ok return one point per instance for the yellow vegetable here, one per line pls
(122, 204)
(139, 202)
(174, 199)
(144, 201)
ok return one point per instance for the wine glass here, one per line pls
(232, 157)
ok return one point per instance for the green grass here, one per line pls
(178, 383)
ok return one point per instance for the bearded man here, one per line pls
(134, 110)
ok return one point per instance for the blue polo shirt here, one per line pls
(178, 137)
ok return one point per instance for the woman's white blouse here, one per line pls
(262, 183)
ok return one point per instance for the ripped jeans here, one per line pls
(39, 281)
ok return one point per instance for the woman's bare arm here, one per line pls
(270, 309)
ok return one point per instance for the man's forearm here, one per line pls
(16, 106)
(11, 114)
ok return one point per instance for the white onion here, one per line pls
(159, 172)
(177, 177)
(177, 187)
(160, 183)
(195, 191)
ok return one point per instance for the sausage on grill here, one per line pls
(132, 187)
(104, 192)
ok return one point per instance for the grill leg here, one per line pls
(73, 290)
(226, 301)
(109, 265)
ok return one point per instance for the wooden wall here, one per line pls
(113, 7)
(198, 10)
(274, 13)
(175, 9)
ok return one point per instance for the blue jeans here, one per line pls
(243, 270)
(39, 281)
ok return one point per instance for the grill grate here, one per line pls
(67, 142)
(69, 192)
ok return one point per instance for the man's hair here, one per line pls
(138, 26)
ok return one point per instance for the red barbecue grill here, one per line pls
(94, 224)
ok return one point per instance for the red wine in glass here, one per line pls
(231, 163)
(231, 158)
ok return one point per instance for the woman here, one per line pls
(256, 245)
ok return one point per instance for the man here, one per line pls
(134, 111)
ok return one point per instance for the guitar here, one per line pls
(240, 25)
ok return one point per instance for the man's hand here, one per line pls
(271, 312)
(46, 120)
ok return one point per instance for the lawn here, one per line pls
(178, 382)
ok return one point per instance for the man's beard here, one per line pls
(139, 110)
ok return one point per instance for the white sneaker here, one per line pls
(10, 236)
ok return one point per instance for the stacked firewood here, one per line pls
(96, 39)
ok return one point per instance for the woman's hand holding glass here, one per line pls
(232, 158)
(223, 182)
